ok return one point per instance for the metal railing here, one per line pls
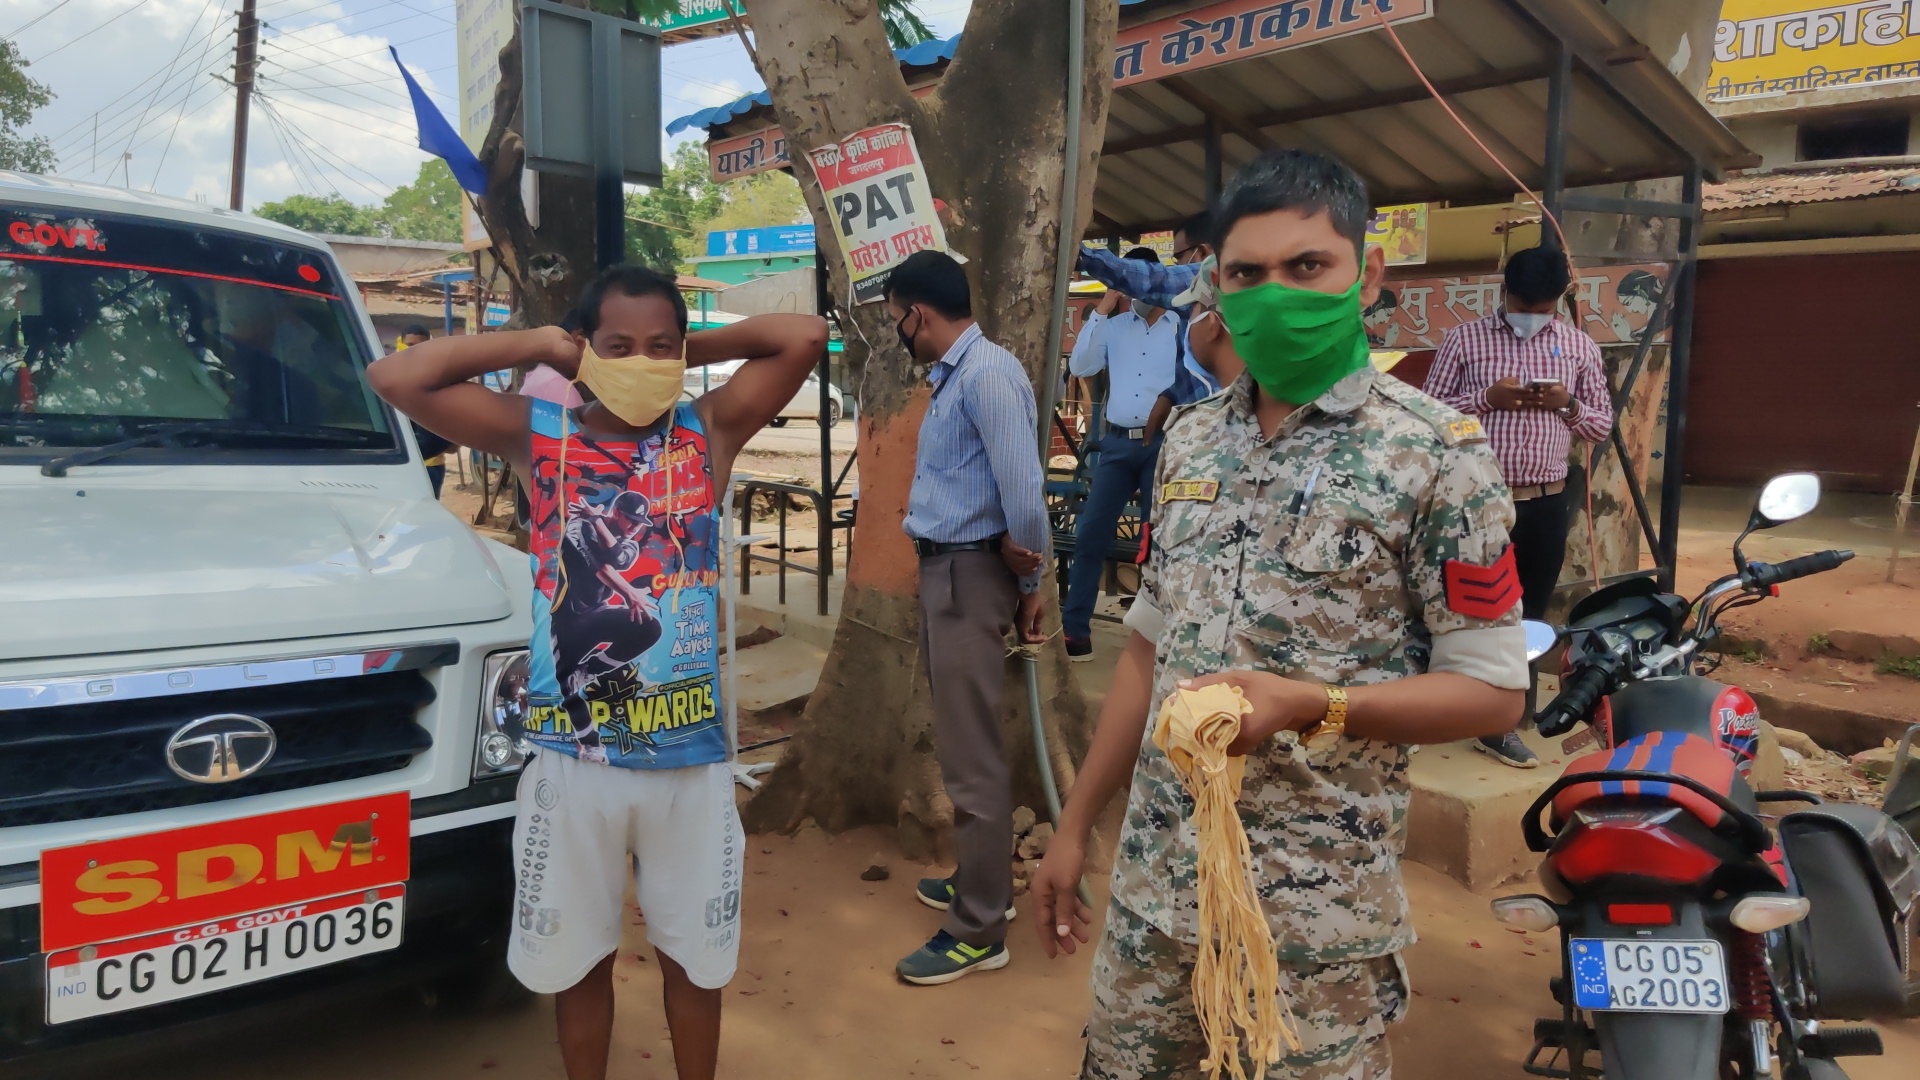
(823, 525)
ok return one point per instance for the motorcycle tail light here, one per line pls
(1759, 914)
(1533, 913)
(1631, 847)
(1640, 914)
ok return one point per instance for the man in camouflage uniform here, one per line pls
(1334, 543)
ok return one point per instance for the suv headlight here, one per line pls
(501, 747)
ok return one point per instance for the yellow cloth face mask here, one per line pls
(636, 389)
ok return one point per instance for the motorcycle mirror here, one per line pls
(1540, 639)
(1786, 497)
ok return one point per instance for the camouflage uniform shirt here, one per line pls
(1345, 586)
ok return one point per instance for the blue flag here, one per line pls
(438, 138)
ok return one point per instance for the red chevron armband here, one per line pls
(1146, 543)
(1483, 592)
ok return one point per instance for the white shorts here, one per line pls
(578, 822)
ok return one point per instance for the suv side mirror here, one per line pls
(1785, 498)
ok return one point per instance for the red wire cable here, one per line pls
(1593, 542)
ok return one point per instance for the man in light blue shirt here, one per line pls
(1138, 346)
(1160, 285)
(977, 516)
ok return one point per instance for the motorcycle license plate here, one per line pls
(1649, 975)
(97, 980)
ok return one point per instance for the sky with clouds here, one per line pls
(142, 94)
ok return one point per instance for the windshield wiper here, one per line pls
(92, 455)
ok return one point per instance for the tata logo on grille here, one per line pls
(219, 749)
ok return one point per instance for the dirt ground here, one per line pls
(815, 997)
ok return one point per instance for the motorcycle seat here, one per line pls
(1656, 753)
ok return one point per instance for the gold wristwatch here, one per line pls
(1328, 731)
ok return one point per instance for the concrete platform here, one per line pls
(1467, 807)
(780, 672)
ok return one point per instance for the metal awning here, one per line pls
(1355, 97)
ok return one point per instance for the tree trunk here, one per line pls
(993, 137)
(549, 266)
(1680, 33)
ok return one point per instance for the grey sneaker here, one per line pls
(945, 958)
(937, 893)
(1508, 750)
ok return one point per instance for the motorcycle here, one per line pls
(1698, 943)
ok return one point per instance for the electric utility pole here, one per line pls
(245, 58)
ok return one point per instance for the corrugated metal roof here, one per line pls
(926, 54)
(1797, 187)
(1356, 98)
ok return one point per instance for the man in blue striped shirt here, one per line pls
(977, 516)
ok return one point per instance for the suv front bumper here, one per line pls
(459, 906)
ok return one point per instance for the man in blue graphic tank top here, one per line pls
(625, 714)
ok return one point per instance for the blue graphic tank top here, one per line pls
(626, 573)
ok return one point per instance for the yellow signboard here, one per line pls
(1768, 47)
(1400, 231)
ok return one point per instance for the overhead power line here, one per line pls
(137, 5)
(37, 18)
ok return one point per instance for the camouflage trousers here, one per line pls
(1144, 1026)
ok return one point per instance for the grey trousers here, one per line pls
(966, 602)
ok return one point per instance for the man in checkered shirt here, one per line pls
(1535, 381)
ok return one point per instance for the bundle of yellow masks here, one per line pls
(1236, 984)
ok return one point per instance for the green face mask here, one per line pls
(1296, 343)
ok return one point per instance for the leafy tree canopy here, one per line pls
(19, 97)
(427, 209)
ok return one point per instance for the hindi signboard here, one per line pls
(1237, 29)
(1400, 232)
(1613, 304)
(692, 14)
(879, 202)
(743, 155)
(1764, 48)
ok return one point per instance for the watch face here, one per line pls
(1323, 739)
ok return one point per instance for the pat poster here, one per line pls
(879, 202)
(625, 659)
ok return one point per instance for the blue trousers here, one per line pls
(1123, 468)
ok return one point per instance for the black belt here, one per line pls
(929, 548)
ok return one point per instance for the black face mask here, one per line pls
(906, 339)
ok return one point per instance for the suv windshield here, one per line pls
(112, 327)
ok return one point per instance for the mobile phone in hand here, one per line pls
(1537, 385)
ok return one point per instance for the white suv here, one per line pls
(258, 691)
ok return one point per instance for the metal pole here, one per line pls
(706, 371)
(1069, 243)
(1901, 506)
(1559, 91)
(609, 195)
(446, 296)
(245, 55)
(1215, 165)
(1679, 374)
(821, 300)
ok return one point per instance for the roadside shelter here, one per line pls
(1563, 94)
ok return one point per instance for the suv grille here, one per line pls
(98, 759)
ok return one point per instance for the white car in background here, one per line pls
(804, 406)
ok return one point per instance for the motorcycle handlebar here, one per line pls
(1765, 575)
(1578, 695)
